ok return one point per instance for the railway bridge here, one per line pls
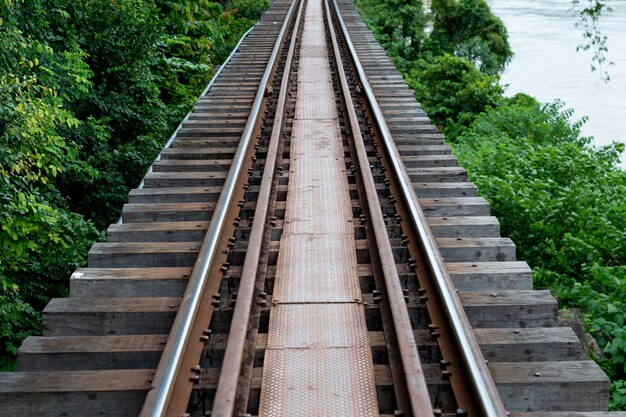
(305, 245)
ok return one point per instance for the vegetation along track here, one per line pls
(310, 247)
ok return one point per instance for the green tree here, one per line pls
(41, 241)
(452, 90)
(468, 29)
(398, 25)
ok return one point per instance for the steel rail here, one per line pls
(484, 387)
(206, 90)
(224, 402)
(170, 364)
(413, 375)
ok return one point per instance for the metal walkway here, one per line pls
(318, 360)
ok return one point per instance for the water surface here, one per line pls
(547, 66)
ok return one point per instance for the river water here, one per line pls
(547, 66)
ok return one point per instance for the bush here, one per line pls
(89, 91)
(452, 90)
(564, 204)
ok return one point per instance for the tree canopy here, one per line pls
(89, 91)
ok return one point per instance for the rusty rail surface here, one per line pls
(484, 388)
(416, 390)
(169, 370)
(224, 403)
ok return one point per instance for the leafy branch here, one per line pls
(589, 13)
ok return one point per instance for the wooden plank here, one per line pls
(507, 309)
(490, 276)
(529, 344)
(193, 132)
(407, 151)
(430, 161)
(522, 309)
(397, 130)
(217, 143)
(143, 351)
(72, 353)
(191, 165)
(178, 231)
(167, 212)
(178, 195)
(198, 153)
(551, 386)
(443, 174)
(135, 255)
(559, 387)
(420, 139)
(109, 316)
(464, 226)
(444, 189)
(455, 206)
(184, 179)
(476, 249)
(129, 282)
(118, 393)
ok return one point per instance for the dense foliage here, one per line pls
(89, 91)
(561, 200)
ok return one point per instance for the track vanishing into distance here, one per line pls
(305, 245)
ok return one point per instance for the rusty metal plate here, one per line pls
(314, 37)
(316, 269)
(321, 107)
(318, 360)
(322, 87)
(337, 325)
(313, 52)
(316, 138)
(318, 382)
(321, 201)
(314, 70)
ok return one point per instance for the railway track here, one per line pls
(304, 245)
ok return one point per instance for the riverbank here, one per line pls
(560, 200)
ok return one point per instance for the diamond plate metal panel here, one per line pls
(321, 201)
(318, 382)
(318, 360)
(314, 70)
(297, 326)
(322, 87)
(316, 38)
(316, 138)
(323, 107)
(313, 51)
(316, 269)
